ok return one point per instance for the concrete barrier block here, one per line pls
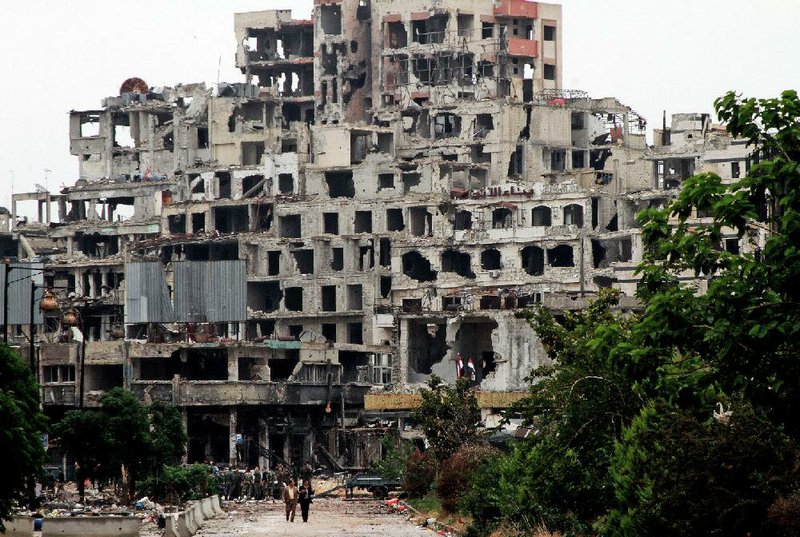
(198, 513)
(171, 525)
(19, 526)
(183, 526)
(191, 519)
(208, 510)
(216, 506)
(91, 526)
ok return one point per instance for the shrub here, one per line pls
(456, 472)
(420, 473)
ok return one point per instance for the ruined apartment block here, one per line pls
(287, 257)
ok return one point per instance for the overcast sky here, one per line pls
(653, 55)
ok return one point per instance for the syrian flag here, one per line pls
(472, 372)
(459, 366)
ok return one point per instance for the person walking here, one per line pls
(290, 495)
(306, 497)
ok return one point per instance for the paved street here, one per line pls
(328, 517)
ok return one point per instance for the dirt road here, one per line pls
(328, 517)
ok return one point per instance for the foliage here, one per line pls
(457, 470)
(395, 455)
(429, 505)
(121, 440)
(169, 436)
(624, 416)
(22, 426)
(678, 475)
(448, 415)
(420, 473)
(177, 484)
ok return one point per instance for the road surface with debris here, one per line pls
(333, 516)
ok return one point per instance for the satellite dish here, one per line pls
(134, 85)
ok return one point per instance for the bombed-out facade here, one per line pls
(289, 256)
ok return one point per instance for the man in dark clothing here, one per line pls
(306, 496)
(290, 494)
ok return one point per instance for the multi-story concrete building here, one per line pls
(288, 257)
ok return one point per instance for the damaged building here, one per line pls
(288, 257)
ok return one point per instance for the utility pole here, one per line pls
(33, 330)
(5, 301)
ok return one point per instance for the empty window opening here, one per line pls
(329, 298)
(605, 252)
(573, 215)
(533, 260)
(337, 259)
(549, 32)
(430, 30)
(273, 262)
(490, 259)
(122, 136)
(198, 184)
(293, 298)
(578, 159)
(385, 180)
(252, 153)
(463, 220)
(465, 22)
(446, 125)
(330, 223)
(223, 185)
(340, 184)
(561, 256)
(385, 142)
(96, 245)
(598, 157)
(329, 332)
(558, 160)
(253, 186)
(458, 262)
(362, 222)
(549, 71)
(304, 259)
(394, 220)
(386, 252)
(198, 222)
(355, 298)
(410, 180)
(487, 30)
(420, 221)
(290, 226)
(280, 369)
(264, 296)
(386, 286)
(484, 124)
(541, 216)
(732, 246)
(360, 144)
(502, 218)
(231, 219)
(331, 19)
(355, 333)
(366, 257)
(177, 223)
(417, 267)
(516, 163)
(490, 302)
(397, 35)
(285, 183)
(735, 170)
(90, 126)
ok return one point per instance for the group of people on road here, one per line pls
(257, 484)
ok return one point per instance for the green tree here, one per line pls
(128, 435)
(448, 415)
(169, 436)
(82, 433)
(396, 452)
(22, 426)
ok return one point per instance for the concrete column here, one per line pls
(263, 444)
(185, 419)
(233, 364)
(233, 413)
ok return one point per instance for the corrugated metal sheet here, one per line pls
(19, 292)
(210, 291)
(147, 297)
